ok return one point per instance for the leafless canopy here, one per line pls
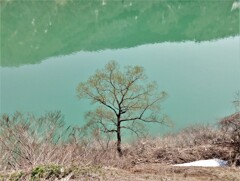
(125, 99)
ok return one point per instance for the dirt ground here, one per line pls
(140, 172)
(158, 172)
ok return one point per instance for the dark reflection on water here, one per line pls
(32, 31)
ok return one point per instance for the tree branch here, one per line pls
(106, 130)
(137, 132)
(142, 113)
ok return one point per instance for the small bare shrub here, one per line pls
(26, 140)
(194, 135)
(191, 144)
(230, 127)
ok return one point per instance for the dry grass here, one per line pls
(167, 172)
(230, 126)
(152, 172)
(28, 143)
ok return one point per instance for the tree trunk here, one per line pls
(119, 148)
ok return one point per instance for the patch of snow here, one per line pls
(205, 163)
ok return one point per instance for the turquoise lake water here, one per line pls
(191, 49)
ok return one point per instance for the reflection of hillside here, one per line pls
(35, 30)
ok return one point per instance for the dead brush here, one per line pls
(192, 136)
(230, 127)
(191, 144)
(27, 141)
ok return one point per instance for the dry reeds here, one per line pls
(27, 141)
(230, 127)
(191, 144)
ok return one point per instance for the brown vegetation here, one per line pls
(141, 172)
(27, 142)
(230, 126)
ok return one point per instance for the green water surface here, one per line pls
(191, 48)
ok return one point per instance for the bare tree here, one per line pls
(125, 100)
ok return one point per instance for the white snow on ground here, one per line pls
(205, 163)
